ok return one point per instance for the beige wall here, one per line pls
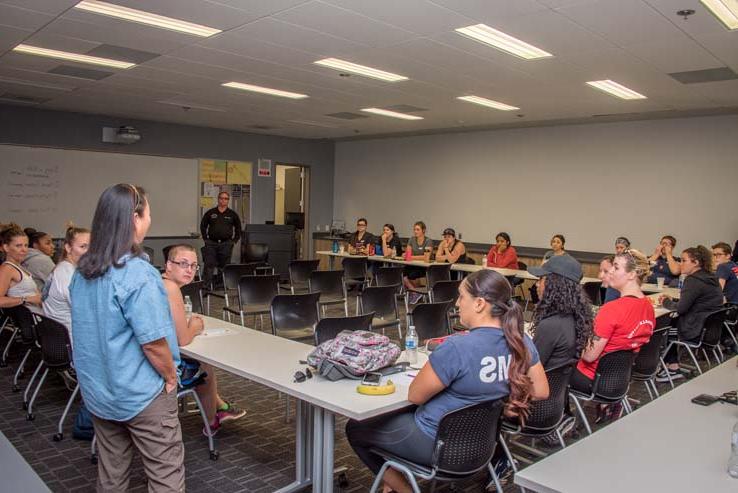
(592, 183)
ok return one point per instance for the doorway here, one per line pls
(290, 202)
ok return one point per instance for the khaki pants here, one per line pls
(156, 434)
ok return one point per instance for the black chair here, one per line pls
(381, 301)
(430, 320)
(592, 290)
(56, 355)
(257, 253)
(731, 318)
(231, 274)
(6, 324)
(197, 292)
(255, 295)
(465, 443)
(433, 274)
(330, 285)
(445, 291)
(649, 360)
(299, 271)
(392, 276)
(712, 330)
(150, 253)
(610, 385)
(295, 313)
(328, 328)
(355, 272)
(25, 334)
(546, 416)
(517, 283)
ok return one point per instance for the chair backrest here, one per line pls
(612, 378)
(649, 357)
(150, 252)
(328, 328)
(23, 319)
(466, 438)
(389, 276)
(381, 300)
(294, 311)
(547, 413)
(430, 320)
(300, 270)
(257, 290)
(233, 272)
(255, 252)
(592, 290)
(194, 291)
(355, 267)
(327, 283)
(713, 327)
(56, 348)
(445, 291)
(437, 272)
(731, 313)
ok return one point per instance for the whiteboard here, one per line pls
(45, 188)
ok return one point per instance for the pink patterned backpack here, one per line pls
(352, 354)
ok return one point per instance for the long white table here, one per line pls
(522, 274)
(15, 473)
(272, 361)
(669, 445)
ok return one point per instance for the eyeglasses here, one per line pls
(186, 265)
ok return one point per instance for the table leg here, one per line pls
(318, 450)
(304, 419)
(329, 423)
(331, 259)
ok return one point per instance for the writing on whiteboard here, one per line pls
(32, 189)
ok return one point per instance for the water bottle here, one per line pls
(411, 345)
(334, 248)
(188, 308)
(733, 461)
(378, 250)
(681, 281)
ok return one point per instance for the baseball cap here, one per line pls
(449, 231)
(563, 265)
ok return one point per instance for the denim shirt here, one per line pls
(113, 316)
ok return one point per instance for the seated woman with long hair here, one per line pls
(502, 254)
(459, 373)
(16, 284)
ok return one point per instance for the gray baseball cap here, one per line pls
(563, 265)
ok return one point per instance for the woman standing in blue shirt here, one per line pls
(125, 347)
(494, 361)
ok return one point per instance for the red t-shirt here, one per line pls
(505, 260)
(627, 323)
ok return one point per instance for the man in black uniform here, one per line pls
(221, 229)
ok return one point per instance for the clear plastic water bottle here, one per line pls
(188, 308)
(681, 281)
(334, 248)
(411, 345)
(733, 462)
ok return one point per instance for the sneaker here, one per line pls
(662, 376)
(229, 414)
(214, 427)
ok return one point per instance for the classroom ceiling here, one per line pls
(177, 77)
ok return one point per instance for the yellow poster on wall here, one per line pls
(238, 172)
(207, 202)
(212, 171)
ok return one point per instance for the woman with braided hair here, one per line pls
(495, 360)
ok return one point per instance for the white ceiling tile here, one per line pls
(20, 18)
(723, 46)
(11, 37)
(260, 7)
(678, 54)
(491, 12)
(42, 78)
(52, 7)
(254, 48)
(48, 39)
(701, 22)
(344, 24)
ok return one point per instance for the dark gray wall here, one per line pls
(36, 127)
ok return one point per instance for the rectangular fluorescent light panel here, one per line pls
(488, 102)
(487, 35)
(142, 17)
(265, 90)
(615, 89)
(393, 114)
(355, 68)
(725, 10)
(74, 57)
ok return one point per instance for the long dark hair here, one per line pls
(562, 296)
(34, 237)
(497, 292)
(701, 255)
(113, 232)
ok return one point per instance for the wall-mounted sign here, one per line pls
(265, 167)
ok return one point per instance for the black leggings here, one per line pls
(396, 433)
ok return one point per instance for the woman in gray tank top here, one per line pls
(16, 285)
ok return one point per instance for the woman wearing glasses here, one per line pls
(726, 271)
(359, 242)
(125, 347)
(180, 271)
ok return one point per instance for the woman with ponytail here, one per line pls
(700, 296)
(495, 360)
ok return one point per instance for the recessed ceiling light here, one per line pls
(725, 10)
(615, 89)
(355, 68)
(393, 114)
(488, 102)
(487, 35)
(74, 57)
(265, 90)
(142, 17)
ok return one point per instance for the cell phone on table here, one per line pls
(371, 378)
(705, 399)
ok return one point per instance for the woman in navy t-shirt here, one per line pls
(495, 360)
